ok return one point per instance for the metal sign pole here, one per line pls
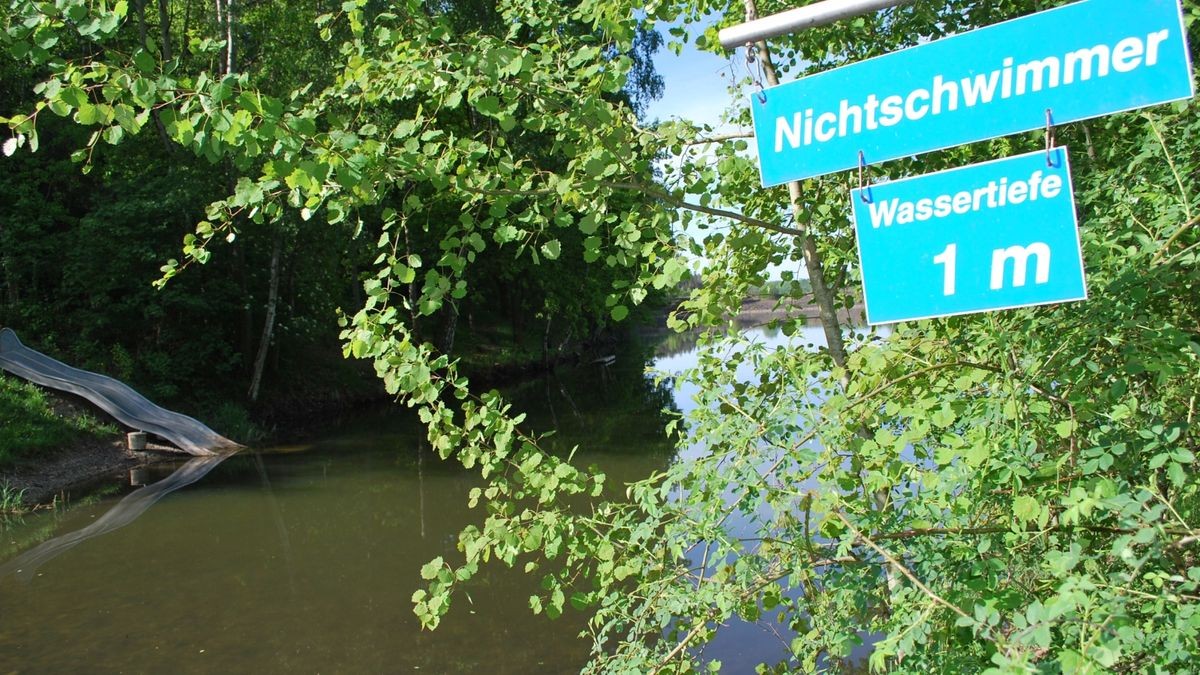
(794, 20)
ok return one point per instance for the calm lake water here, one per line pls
(303, 559)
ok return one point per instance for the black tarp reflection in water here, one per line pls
(129, 509)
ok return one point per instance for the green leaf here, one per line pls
(943, 417)
(431, 569)
(1066, 428)
(88, 114)
(588, 225)
(595, 167)
(144, 61)
(488, 105)
(1026, 508)
(113, 135)
(248, 192)
(1176, 473)
(606, 551)
(404, 273)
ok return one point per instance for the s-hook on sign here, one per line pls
(1078, 61)
(997, 235)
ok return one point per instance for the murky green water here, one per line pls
(304, 559)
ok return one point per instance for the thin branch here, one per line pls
(1171, 241)
(1150, 596)
(721, 138)
(1187, 540)
(938, 531)
(903, 570)
(720, 213)
(682, 645)
(653, 192)
(1183, 193)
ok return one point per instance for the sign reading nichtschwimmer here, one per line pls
(1079, 61)
(997, 235)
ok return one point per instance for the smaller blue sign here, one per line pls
(997, 235)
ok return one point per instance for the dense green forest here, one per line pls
(1007, 492)
(80, 250)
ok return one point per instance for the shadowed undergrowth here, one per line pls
(33, 422)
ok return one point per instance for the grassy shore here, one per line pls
(34, 423)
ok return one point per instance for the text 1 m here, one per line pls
(1019, 255)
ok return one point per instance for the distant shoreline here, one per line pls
(760, 310)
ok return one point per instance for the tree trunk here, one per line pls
(164, 29)
(451, 329)
(10, 279)
(816, 276)
(187, 22)
(225, 28)
(268, 322)
(228, 36)
(822, 294)
(140, 7)
(220, 15)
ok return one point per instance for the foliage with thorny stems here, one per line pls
(1008, 491)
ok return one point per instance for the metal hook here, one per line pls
(756, 78)
(1049, 137)
(863, 188)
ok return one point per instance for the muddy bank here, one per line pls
(757, 311)
(760, 310)
(44, 479)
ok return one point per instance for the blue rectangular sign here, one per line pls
(1078, 61)
(997, 235)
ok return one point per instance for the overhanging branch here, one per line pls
(720, 213)
(722, 138)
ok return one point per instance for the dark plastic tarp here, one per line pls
(113, 397)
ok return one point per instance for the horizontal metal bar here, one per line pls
(795, 20)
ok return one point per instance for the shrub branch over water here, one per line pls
(1008, 491)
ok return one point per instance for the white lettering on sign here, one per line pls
(997, 235)
(809, 126)
(996, 194)
(947, 258)
(1020, 257)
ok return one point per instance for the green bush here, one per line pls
(30, 423)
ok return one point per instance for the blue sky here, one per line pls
(697, 88)
(696, 85)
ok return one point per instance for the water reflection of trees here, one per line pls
(668, 343)
(608, 407)
(674, 344)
